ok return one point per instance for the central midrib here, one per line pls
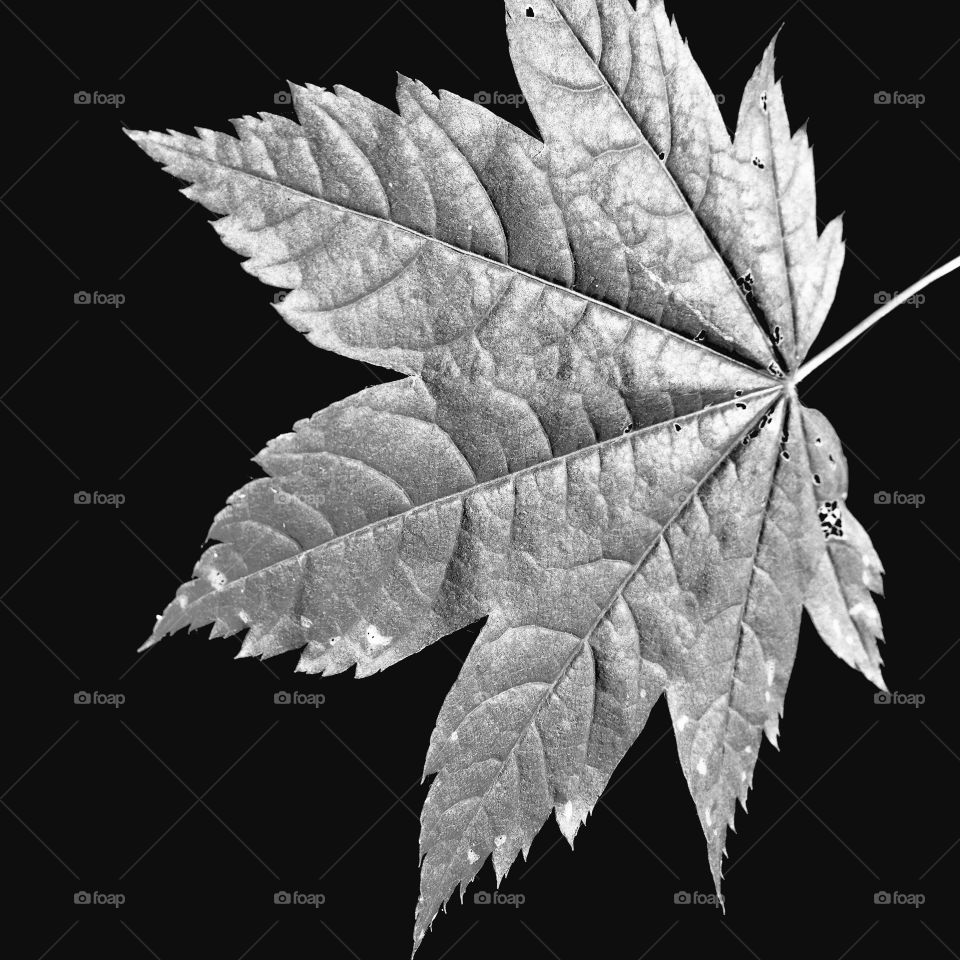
(614, 597)
(673, 182)
(494, 481)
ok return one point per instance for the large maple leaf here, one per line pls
(597, 446)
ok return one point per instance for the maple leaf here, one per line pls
(597, 446)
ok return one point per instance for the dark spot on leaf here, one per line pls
(757, 162)
(777, 335)
(741, 406)
(677, 427)
(816, 478)
(530, 12)
(785, 454)
(831, 522)
(700, 337)
(774, 368)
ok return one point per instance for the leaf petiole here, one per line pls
(866, 324)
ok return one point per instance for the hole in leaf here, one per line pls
(530, 12)
(677, 427)
(816, 478)
(741, 406)
(831, 522)
(758, 163)
(777, 335)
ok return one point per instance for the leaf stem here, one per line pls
(866, 324)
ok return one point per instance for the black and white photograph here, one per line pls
(549, 454)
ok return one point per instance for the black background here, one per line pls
(199, 797)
